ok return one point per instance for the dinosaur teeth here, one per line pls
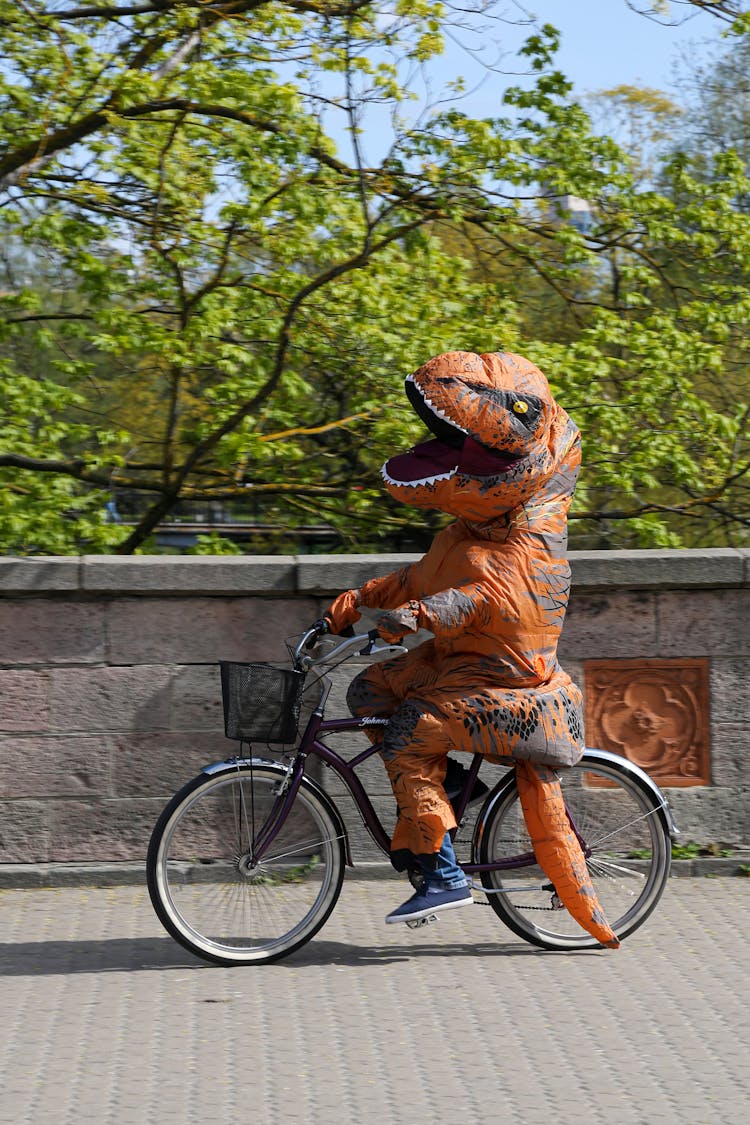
(435, 409)
(416, 483)
(441, 414)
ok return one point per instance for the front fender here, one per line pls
(230, 765)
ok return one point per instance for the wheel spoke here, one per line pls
(628, 825)
(607, 869)
(621, 821)
(204, 882)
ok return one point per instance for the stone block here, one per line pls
(745, 553)
(330, 574)
(24, 832)
(39, 575)
(37, 631)
(574, 668)
(654, 570)
(55, 766)
(157, 765)
(712, 815)
(110, 699)
(102, 830)
(617, 624)
(189, 574)
(703, 623)
(730, 690)
(730, 759)
(24, 700)
(82, 874)
(196, 699)
(203, 630)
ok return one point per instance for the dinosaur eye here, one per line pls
(520, 407)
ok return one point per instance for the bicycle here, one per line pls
(247, 861)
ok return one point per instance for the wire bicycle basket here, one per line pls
(261, 703)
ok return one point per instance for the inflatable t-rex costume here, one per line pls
(492, 589)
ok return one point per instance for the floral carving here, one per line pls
(654, 712)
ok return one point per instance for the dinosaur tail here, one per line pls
(557, 849)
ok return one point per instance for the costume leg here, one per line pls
(415, 748)
(558, 851)
(414, 751)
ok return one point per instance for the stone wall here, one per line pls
(110, 700)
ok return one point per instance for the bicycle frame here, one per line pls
(311, 745)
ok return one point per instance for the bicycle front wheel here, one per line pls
(213, 895)
(624, 826)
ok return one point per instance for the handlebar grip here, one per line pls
(318, 629)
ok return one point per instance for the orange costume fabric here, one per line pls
(492, 589)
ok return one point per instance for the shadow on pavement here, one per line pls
(50, 958)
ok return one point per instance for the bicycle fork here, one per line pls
(286, 791)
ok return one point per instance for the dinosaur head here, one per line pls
(499, 436)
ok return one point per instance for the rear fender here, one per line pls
(603, 757)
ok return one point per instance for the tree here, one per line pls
(218, 302)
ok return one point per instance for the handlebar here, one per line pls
(361, 644)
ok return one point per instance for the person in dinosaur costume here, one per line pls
(492, 589)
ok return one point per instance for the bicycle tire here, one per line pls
(203, 884)
(624, 824)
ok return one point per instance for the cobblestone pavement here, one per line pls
(107, 1020)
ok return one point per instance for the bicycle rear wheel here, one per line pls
(206, 886)
(624, 825)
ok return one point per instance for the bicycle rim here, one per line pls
(212, 894)
(621, 823)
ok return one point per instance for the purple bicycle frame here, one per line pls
(311, 745)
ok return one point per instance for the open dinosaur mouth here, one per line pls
(433, 461)
(451, 452)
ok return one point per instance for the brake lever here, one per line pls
(371, 650)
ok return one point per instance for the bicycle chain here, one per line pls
(515, 905)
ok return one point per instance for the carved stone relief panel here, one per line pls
(653, 712)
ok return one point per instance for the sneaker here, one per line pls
(455, 780)
(430, 900)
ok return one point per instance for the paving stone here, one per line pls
(110, 1021)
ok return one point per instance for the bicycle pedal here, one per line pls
(417, 923)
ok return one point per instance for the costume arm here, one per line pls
(445, 615)
(390, 590)
(378, 593)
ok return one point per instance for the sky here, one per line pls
(603, 44)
